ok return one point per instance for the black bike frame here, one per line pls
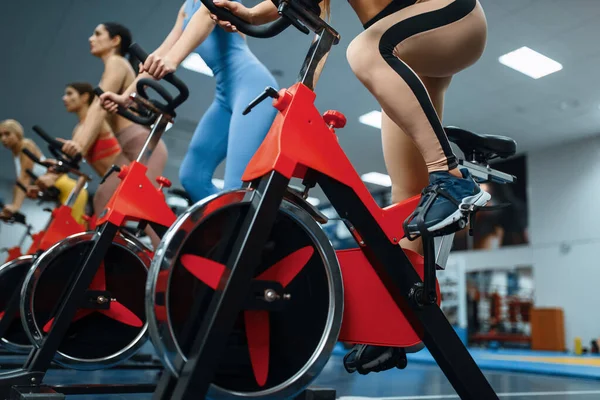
(388, 260)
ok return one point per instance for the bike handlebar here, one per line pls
(263, 31)
(125, 113)
(33, 157)
(137, 51)
(61, 166)
(50, 193)
(148, 115)
(55, 147)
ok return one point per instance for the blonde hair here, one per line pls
(13, 126)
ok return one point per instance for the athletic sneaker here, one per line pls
(456, 199)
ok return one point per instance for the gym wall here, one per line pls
(563, 233)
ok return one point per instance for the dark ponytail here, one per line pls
(116, 29)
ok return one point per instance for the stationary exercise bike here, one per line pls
(60, 225)
(49, 195)
(245, 295)
(16, 251)
(83, 299)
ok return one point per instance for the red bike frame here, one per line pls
(382, 281)
(300, 140)
(137, 199)
(62, 224)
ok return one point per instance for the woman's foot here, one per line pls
(447, 200)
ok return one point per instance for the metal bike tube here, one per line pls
(400, 279)
(209, 343)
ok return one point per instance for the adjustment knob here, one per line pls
(334, 119)
(163, 182)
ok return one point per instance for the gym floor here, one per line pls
(420, 381)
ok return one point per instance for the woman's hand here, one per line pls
(46, 181)
(235, 8)
(157, 66)
(262, 13)
(33, 191)
(71, 147)
(8, 211)
(111, 101)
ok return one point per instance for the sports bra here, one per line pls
(105, 146)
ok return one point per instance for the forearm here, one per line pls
(198, 29)
(133, 87)
(18, 197)
(168, 44)
(263, 13)
(90, 130)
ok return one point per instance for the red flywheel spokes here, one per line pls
(257, 322)
(116, 311)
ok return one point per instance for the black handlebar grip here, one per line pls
(264, 31)
(141, 86)
(52, 192)
(123, 112)
(139, 53)
(77, 158)
(55, 144)
(21, 186)
(49, 139)
(32, 156)
(31, 174)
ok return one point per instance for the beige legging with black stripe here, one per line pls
(406, 59)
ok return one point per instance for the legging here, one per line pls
(223, 132)
(132, 140)
(412, 38)
(65, 186)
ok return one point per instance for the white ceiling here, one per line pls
(44, 45)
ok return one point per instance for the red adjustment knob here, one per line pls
(334, 119)
(163, 182)
(123, 172)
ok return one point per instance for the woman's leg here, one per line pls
(132, 141)
(404, 162)
(434, 38)
(65, 186)
(247, 132)
(207, 149)
(437, 39)
(108, 187)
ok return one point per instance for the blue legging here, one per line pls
(224, 132)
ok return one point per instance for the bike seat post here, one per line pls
(443, 245)
(429, 294)
(25, 235)
(82, 180)
(316, 57)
